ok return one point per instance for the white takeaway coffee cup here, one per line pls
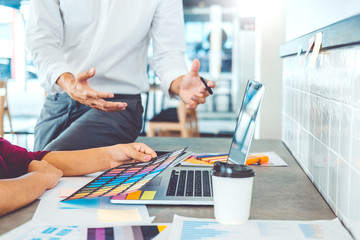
(232, 190)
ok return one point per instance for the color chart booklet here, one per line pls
(125, 179)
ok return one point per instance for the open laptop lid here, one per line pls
(245, 126)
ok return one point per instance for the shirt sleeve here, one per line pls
(17, 159)
(44, 39)
(168, 35)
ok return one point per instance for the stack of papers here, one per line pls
(206, 229)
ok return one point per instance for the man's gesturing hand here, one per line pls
(79, 89)
(190, 88)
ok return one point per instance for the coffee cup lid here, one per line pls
(222, 169)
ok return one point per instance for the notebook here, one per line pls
(193, 185)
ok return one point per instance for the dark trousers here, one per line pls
(65, 124)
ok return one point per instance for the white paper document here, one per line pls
(85, 211)
(185, 228)
(274, 160)
(33, 231)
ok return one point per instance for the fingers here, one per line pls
(198, 99)
(191, 105)
(204, 92)
(146, 149)
(83, 93)
(140, 152)
(90, 93)
(82, 84)
(106, 106)
(195, 67)
(94, 99)
(211, 84)
(138, 156)
(195, 101)
(86, 75)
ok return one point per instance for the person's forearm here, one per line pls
(81, 162)
(18, 192)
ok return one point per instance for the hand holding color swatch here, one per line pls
(125, 179)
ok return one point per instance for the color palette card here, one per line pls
(144, 232)
(138, 195)
(125, 179)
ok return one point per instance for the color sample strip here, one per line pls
(148, 195)
(80, 204)
(144, 232)
(97, 183)
(125, 179)
(100, 233)
(134, 195)
(132, 186)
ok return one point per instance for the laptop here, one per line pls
(193, 185)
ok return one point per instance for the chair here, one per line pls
(4, 107)
(185, 124)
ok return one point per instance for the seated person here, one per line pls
(24, 176)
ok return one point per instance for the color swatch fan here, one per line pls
(126, 178)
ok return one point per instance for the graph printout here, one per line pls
(143, 232)
(125, 179)
(208, 229)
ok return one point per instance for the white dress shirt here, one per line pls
(110, 35)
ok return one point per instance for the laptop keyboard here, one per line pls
(190, 183)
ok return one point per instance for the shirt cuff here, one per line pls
(168, 78)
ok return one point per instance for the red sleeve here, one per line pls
(14, 160)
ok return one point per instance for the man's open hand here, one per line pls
(79, 89)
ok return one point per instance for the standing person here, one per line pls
(91, 58)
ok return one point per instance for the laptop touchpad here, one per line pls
(155, 182)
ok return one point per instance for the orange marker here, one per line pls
(256, 159)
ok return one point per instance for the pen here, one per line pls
(207, 87)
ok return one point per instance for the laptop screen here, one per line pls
(245, 126)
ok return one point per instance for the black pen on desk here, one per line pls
(207, 87)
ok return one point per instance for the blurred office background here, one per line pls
(235, 40)
(221, 34)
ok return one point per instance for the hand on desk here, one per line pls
(80, 162)
(190, 88)
(130, 153)
(20, 191)
(45, 174)
(79, 89)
